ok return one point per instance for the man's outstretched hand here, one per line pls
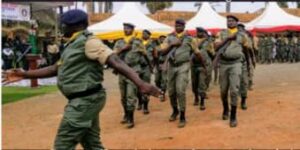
(150, 89)
(12, 75)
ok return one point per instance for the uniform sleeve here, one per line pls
(53, 49)
(96, 50)
(211, 48)
(117, 46)
(165, 44)
(141, 47)
(218, 38)
(194, 45)
(243, 40)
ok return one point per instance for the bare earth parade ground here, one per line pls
(271, 121)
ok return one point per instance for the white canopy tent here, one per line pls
(274, 19)
(112, 27)
(207, 18)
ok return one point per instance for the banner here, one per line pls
(15, 12)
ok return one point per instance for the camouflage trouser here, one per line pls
(244, 80)
(250, 77)
(178, 78)
(268, 54)
(230, 75)
(280, 54)
(286, 55)
(298, 54)
(209, 75)
(262, 55)
(80, 123)
(145, 76)
(128, 93)
(161, 79)
(199, 79)
(291, 55)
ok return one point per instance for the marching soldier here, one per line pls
(160, 75)
(80, 76)
(201, 78)
(179, 46)
(146, 69)
(131, 50)
(248, 62)
(231, 53)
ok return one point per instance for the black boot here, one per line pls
(140, 101)
(243, 103)
(196, 100)
(233, 121)
(163, 96)
(130, 119)
(146, 110)
(140, 105)
(225, 110)
(202, 104)
(125, 117)
(250, 87)
(174, 114)
(182, 120)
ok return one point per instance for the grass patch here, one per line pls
(13, 94)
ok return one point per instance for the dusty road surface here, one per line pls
(271, 121)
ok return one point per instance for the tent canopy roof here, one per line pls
(207, 18)
(272, 17)
(129, 13)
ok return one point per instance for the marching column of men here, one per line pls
(283, 47)
(174, 55)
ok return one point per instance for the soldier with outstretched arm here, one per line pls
(79, 75)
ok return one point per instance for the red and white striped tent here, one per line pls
(206, 18)
(274, 19)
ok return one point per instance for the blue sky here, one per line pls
(189, 6)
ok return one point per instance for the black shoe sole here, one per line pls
(224, 117)
(233, 124)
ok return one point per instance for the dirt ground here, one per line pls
(271, 121)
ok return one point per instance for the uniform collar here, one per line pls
(74, 36)
(128, 38)
(233, 30)
(146, 42)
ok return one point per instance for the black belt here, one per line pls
(229, 59)
(177, 64)
(85, 93)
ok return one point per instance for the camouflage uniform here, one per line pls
(268, 49)
(298, 49)
(132, 58)
(79, 79)
(146, 72)
(178, 71)
(161, 75)
(280, 49)
(201, 80)
(261, 50)
(231, 71)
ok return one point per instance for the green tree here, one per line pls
(155, 6)
(283, 4)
